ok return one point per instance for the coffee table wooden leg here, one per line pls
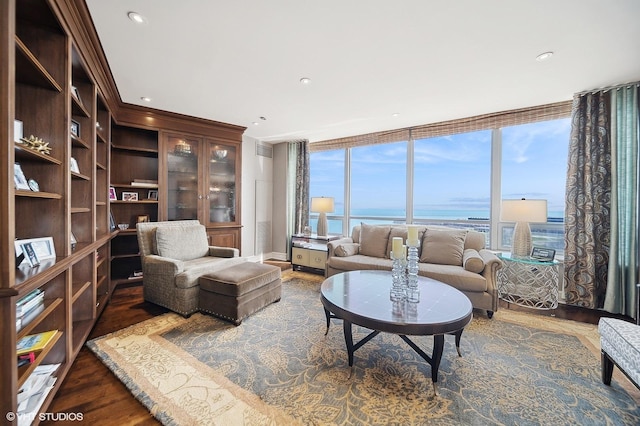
(438, 347)
(458, 335)
(348, 339)
(328, 315)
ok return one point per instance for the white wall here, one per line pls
(257, 171)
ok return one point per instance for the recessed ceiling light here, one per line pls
(145, 99)
(255, 123)
(263, 118)
(395, 114)
(137, 18)
(305, 80)
(544, 56)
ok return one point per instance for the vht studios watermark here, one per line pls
(50, 417)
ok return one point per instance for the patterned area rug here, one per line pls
(278, 367)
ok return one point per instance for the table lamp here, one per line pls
(522, 212)
(322, 205)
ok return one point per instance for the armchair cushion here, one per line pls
(182, 243)
(347, 249)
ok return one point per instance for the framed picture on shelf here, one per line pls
(76, 94)
(74, 165)
(42, 247)
(18, 177)
(30, 254)
(18, 132)
(129, 196)
(112, 193)
(143, 218)
(75, 128)
(153, 194)
(74, 241)
(543, 254)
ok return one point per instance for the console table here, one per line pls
(528, 282)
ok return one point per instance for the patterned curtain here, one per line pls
(588, 197)
(623, 257)
(298, 189)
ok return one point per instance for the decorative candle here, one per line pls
(404, 252)
(397, 247)
(412, 235)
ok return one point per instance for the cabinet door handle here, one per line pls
(200, 197)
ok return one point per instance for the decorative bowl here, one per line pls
(220, 153)
(123, 226)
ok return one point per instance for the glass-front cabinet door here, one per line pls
(183, 193)
(221, 198)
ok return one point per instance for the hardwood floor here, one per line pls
(91, 389)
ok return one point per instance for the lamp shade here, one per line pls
(322, 204)
(523, 211)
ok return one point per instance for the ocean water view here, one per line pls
(548, 235)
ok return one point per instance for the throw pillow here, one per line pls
(182, 243)
(373, 240)
(443, 247)
(347, 249)
(472, 261)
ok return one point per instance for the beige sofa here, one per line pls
(453, 256)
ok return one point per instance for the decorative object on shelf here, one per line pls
(129, 196)
(145, 183)
(36, 144)
(112, 222)
(153, 194)
(143, 218)
(74, 165)
(112, 193)
(123, 226)
(182, 148)
(307, 231)
(220, 154)
(20, 181)
(543, 254)
(18, 130)
(75, 128)
(522, 212)
(322, 205)
(73, 241)
(43, 247)
(76, 94)
(33, 185)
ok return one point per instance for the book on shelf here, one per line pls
(29, 316)
(144, 184)
(29, 301)
(34, 342)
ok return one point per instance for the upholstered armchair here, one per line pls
(174, 256)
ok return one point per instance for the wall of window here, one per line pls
(454, 180)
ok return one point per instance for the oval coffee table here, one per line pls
(362, 298)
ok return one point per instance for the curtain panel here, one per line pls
(451, 127)
(588, 198)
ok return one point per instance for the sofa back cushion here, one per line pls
(443, 247)
(182, 243)
(475, 240)
(374, 240)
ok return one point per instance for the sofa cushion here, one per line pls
(474, 240)
(443, 247)
(455, 276)
(347, 249)
(472, 261)
(373, 240)
(359, 262)
(182, 243)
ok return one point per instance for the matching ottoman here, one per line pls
(240, 290)
(620, 344)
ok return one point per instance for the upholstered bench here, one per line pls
(620, 345)
(238, 291)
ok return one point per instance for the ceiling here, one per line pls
(240, 62)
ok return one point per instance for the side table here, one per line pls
(528, 282)
(310, 252)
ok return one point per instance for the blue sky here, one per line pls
(451, 172)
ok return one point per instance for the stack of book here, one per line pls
(145, 183)
(29, 307)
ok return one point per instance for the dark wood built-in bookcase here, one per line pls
(57, 87)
